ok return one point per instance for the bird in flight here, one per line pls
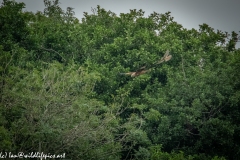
(143, 69)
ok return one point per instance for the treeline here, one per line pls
(60, 91)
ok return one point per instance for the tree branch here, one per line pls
(51, 50)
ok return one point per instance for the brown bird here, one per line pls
(143, 69)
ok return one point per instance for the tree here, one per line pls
(61, 91)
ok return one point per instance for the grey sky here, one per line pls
(219, 14)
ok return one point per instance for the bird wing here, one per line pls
(141, 69)
(127, 73)
(165, 58)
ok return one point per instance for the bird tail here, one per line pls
(121, 73)
(124, 73)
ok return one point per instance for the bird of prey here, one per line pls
(143, 69)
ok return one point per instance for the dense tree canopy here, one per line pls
(61, 91)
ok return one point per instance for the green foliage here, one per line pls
(61, 91)
(157, 153)
(5, 140)
(57, 116)
(12, 24)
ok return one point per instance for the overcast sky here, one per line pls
(219, 14)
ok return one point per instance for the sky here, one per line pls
(218, 14)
